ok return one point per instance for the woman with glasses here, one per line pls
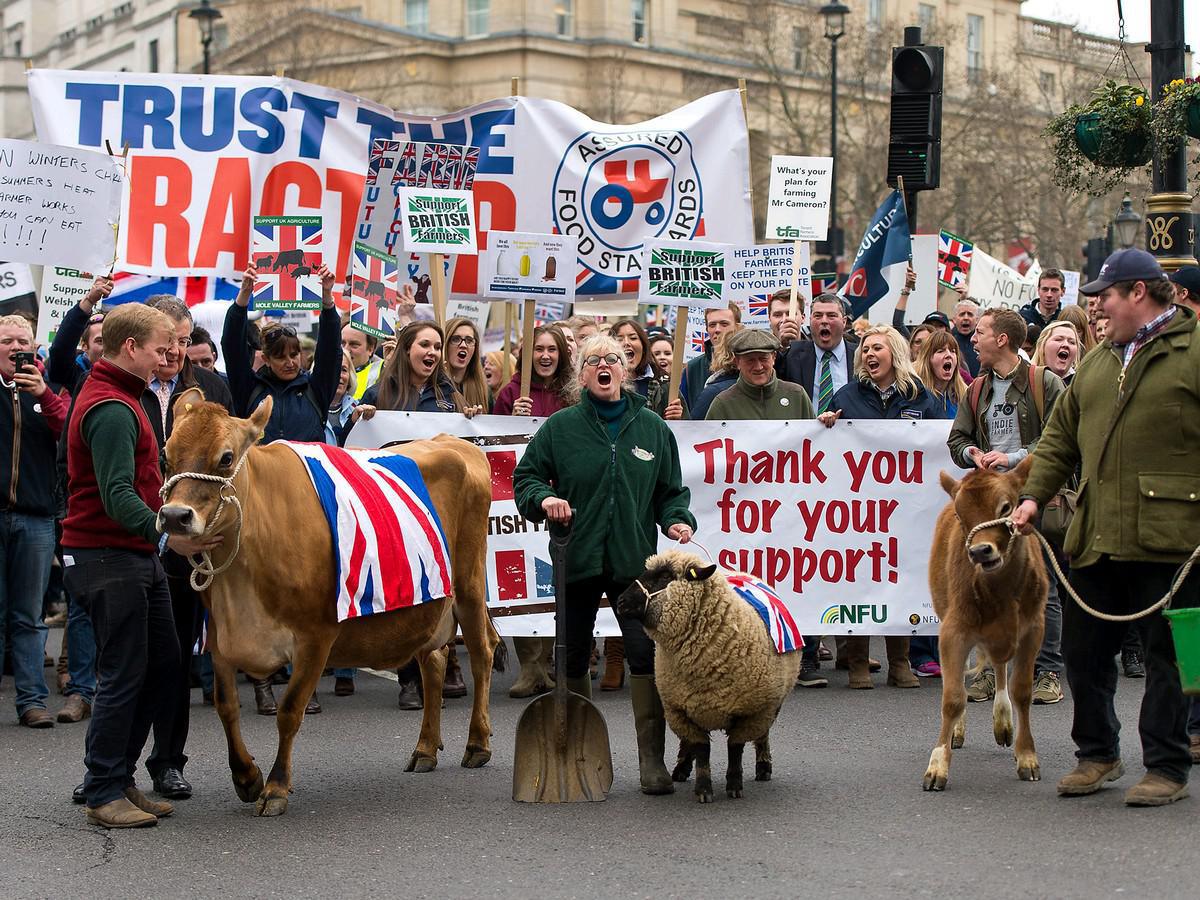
(610, 466)
(301, 398)
(464, 363)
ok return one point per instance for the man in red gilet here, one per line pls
(111, 547)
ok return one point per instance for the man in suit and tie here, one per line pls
(825, 363)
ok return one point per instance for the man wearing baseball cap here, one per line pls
(938, 320)
(1131, 421)
(1187, 287)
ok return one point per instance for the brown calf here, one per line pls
(992, 594)
(275, 604)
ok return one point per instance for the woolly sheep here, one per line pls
(715, 663)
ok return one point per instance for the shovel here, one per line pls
(562, 753)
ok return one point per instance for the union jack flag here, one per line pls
(954, 259)
(462, 166)
(382, 157)
(407, 169)
(130, 287)
(548, 311)
(758, 309)
(826, 283)
(390, 549)
(697, 342)
(374, 290)
(287, 253)
(785, 634)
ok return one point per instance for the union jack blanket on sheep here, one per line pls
(780, 624)
(389, 546)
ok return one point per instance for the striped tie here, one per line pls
(825, 384)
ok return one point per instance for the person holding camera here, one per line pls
(31, 419)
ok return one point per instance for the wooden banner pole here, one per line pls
(682, 316)
(746, 116)
(437, 286)
(527, 346)
(506, 362)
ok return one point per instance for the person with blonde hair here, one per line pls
(939, 367)
(1078, 317)
(1058, 347)
(493, 369)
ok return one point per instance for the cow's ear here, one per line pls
(1021, 471)
(694, 572)
(949, 485)
(261, 415)
(186, 402)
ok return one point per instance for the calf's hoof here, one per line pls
(269, 805)
(934, 781)
(250, 790)
(958, 739)
(421, 764)
(1029, 770)
(762, 771)
(733, 789)
(476, 758)
(682, 772)
(704, 789)
(1003, 732)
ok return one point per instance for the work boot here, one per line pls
(120, 813)
(76, 709)
(581, 686)
(343, 686)
(410, 694)
(982, 686)
(843, 661)
(1155, 790)
(651, 728)
(1131, 663)
(857, 661)
(1089, 776)
(37, 717)
(614, 664)
(264, 697)
(453, 685)
(900, 673)
(1194, 745)
(533, 678)
(810, 675)
(594, 662)
(156, 808)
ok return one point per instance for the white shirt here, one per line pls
(837, 368)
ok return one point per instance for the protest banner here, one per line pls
(58, 205)
(16, 289)
(527, 265)
(206, 151)
(992, 283)
(798, 202)
(954, 259)
(434, 222)
(838, 521)
(374, 291)
(62, 289)
(287, 255)
(1070, 295)
(753, 274)
(475, 310)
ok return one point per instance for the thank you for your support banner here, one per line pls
(839, 521)
(207, 153)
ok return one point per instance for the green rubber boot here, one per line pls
(581, 686)
(651, 730)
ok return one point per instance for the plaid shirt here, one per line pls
(1145, 334)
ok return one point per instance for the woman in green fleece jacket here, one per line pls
(616, 464)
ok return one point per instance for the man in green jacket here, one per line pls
(1131, 420)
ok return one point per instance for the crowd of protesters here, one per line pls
(997, 374)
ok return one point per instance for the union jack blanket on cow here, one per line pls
(764, 601)
(389, 546)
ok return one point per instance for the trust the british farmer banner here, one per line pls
(207, 153)
(839, 521)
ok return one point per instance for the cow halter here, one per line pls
(1006, 522)
(203, 570)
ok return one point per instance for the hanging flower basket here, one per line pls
(1096, 145)
(1193, 117)
(1177, 116)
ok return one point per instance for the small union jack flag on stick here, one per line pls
(826, 283)
(374, 291)
(287, 254)
(954, 259)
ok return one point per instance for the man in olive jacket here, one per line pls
(1131, 420)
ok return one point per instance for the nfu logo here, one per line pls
(916, 619)
(611, 191)
(858, 614)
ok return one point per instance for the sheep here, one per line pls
(716, 665)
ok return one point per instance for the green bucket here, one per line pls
(1185, 629)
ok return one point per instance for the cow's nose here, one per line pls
(982, 553)
(177, 519)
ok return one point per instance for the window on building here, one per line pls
(152, 63)
(16, 45)
(564, 17)
(416, 15)
(640, 15)
(477, 17)
(926, 18)
(876, 12)
(1046, 84)
(974, 47)
(800, 49)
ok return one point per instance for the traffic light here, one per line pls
(1095, 252)
(915, 135)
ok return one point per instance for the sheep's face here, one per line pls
(643, 600)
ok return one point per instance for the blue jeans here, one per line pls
(81, 652)
(344, 673)
(1050, 656)
(27, 546)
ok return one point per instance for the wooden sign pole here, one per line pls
(437, 287)
(527, 346)
(506, 362)
(682, 315)
(792, 304)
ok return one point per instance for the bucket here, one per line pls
(1185, 629)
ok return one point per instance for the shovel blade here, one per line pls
(561, 765)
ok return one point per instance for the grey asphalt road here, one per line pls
(844, 817)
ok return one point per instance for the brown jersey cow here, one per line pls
(991, 594)
(275, 603)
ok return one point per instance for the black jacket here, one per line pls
(64, 366)
(427, 401)
(799, 363)
(214, 388)
(26, 455)
(860, 399)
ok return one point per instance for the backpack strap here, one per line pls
(975, 393)
(1037, 388)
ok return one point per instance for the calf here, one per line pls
(989, 589)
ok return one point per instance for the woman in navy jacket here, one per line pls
(885, 386)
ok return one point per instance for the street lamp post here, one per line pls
(206, 17)
(1126, 224)
(835, 26)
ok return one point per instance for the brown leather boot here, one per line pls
(1089, 776)
(76, 709)
(453, 686)
(900, 673)
(120, 813)
(264, 697)
(1155, 790)
(843, 662)
(157, 808)
(857, 661)
(614, 664)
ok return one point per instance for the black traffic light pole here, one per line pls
(915, 128)
(1170, 234)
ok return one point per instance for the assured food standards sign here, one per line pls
(438, 221)
(684, 274)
